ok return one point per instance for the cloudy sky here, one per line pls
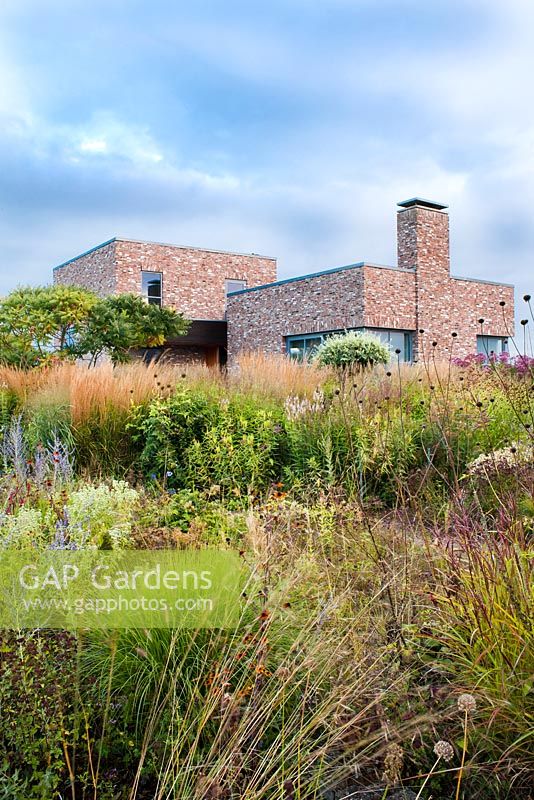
(287, 127)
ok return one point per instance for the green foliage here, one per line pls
(8, 406)
(486, 643)
(351, 349)
(167, 428)
(197, 440)
(28, 528)
(226, 709)
(120, 323)
(103, 441)
(35, 323)
(39, 324)
(37, 720)
(394, 562)
(92, 515)
(205, 515)
(241, 451)
(45, 418)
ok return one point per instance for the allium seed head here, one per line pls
(466, 702)
(444, 750)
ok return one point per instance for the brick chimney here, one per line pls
(423, 245)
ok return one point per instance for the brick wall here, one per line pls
(261, 319)
(193, 280)
(444, 304)
(474, 300)
(94, 270)
(389, 296)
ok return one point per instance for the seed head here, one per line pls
(466, 702)
(444, 750)
(393, 764)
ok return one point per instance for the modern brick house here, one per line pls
(410, 306)
(193, 281)
(236, 302)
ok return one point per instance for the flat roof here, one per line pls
(309, 275)
(483, 280)
(159, 244)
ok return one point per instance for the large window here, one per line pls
(151, 287)
(303, 346)
(234, 285)
(395, 340)
(492, 345)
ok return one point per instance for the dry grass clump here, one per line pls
(277, 375)
(96, 390)
(90, 391)
(93, 390)
(24, 383)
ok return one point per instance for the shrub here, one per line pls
(206, 517)
(241, 452)
(101, 515)
(28, 528)
(167, 427)
(197, 440)
(352, 349)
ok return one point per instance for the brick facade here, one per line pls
(389, 298)
(261, 319)
(418, 295)
(193, 280)
(94, 270)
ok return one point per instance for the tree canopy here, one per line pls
(43, 323)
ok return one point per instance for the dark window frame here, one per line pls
(144, 290)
